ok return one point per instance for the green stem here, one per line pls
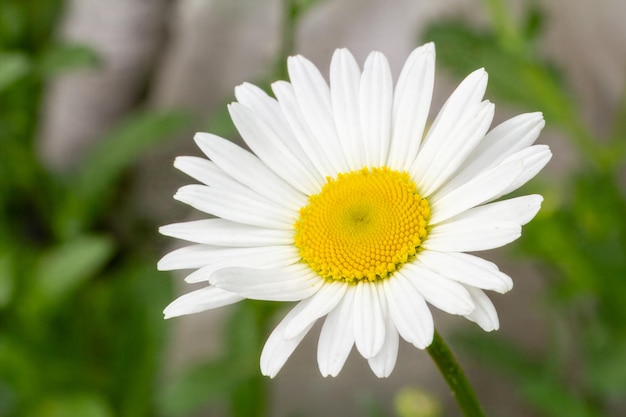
(293, 10)
(454, 376)
(291, 15)
(287, 40)
(506, 28)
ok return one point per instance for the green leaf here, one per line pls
(249, 398)
(74, 404)
(299, 7)
(518, 77)
(617, 136)
(603, 375)
(534, 23)
(13, 66)
(556, 399)
(554, 240)
(538, 380)
(200, 384)
(6, 279)
(369, 404)
(96, 183)
(235, 376)
(18, 371)
(64, 268)
(67, 57)
(135, 294)
(247, 331)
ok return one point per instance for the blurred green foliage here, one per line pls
(579, 238)
(232, 379)
(81, 331)
(81, 327)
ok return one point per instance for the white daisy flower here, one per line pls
(355, 210)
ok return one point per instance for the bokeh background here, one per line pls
(97, 98)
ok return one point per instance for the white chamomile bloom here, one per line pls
(349, 207)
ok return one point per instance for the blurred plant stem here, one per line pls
(293, 10)
(455, 377)
(504, 25)
(287, 37)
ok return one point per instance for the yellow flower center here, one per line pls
(363, 225)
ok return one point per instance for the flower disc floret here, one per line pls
(363, 225)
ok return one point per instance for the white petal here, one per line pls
(485, 314)
(345, 78)
(277, 348)
(269, 112)
(375, 98)
(467, 235)
(305, 137)
(206, 172)
(222, 232)
(256, 175)
(474, 192)
(200, 300)
(443, 293)
(315, 307)
(313, 96)
(264, 106)
(369, 324)
(238, 207)
(274, 257)
(461, 105)
(268, 146)
(533, 159)
(491, 184)
(467, 269)
(447, 132)
(409, 311)
(210, 174)
(189, 257)
(503, 141)
(384, 361)
(337, 336)
(293, 283)
(411, 104)
(519, 210)
(442, 156)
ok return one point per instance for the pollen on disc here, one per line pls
(363, 225)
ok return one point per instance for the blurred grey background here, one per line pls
(190, 54)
